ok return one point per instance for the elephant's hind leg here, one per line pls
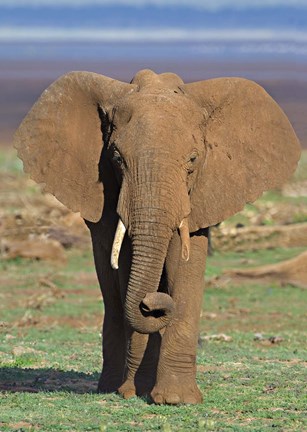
(142, 362)
(142, 359)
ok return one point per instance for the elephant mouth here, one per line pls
(120, 234)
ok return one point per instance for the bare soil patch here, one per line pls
(259, 237)
(35, 225)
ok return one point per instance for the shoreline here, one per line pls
(21, 83)
(188, 69)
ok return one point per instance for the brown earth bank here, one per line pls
(22, 82)
(292, 271)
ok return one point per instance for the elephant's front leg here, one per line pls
(113, 331)
(113, 342)
(176, 376)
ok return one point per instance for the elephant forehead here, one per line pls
(162, 122)
(158, 139)
(163, 119)
(158, 105)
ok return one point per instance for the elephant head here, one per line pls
(182, 156)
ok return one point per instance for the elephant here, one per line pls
(151, 165)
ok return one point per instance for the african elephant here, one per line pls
(150, 166)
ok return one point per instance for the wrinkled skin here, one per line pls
(164, 160)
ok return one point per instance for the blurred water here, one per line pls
(115, 32)
(38, 43)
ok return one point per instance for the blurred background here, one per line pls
(263, 40)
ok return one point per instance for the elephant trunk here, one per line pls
(147, 310)
(152, 204)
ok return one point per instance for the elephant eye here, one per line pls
(193, 157)
(117, 158)
(190, 162)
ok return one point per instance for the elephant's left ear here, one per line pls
(250, 147)
(60, 140)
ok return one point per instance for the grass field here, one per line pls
(252, 354)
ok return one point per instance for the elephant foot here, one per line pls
(127, 390)
(138, 387)
(175, 390)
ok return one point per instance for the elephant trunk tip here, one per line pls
(157, 304)
(156, 310)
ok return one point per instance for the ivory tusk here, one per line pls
(117, 244)
(185, 239)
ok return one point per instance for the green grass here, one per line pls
(301, 172)
(50, 361)
(9, 163)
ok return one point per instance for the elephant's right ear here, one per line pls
(250, 147)
(60, 140)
